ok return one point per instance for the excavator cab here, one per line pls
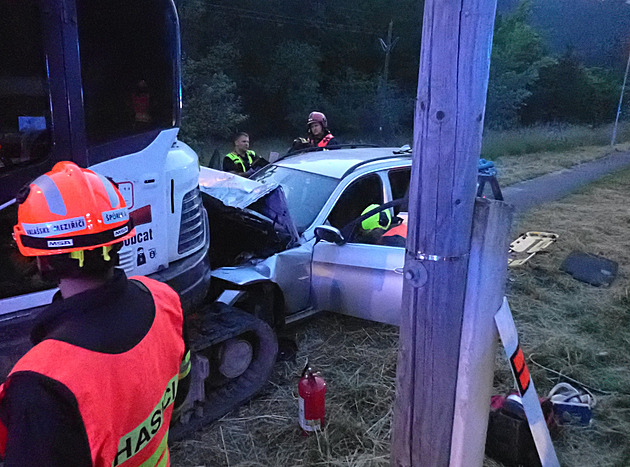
(98, 83)
(82, 81)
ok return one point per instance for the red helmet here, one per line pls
(317, 117)
(70, 209)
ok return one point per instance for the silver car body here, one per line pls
(356, 279)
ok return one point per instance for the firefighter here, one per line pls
(99, 385)
(318, 134)
(141, 104)
(381, 229)
(242, 160)
(373, 227)
(396, 235)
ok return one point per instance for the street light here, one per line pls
(623, 87)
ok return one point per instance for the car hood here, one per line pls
(232, 190)
(254, 205)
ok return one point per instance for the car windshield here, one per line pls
(306, 192)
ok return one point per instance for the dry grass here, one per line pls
(549, 138)
(565, 325)
(576, 329)
(516, 168)
(358, 360)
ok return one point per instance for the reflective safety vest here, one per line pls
(125, 400)
(238, 160)
(325, 140)
(400, 229)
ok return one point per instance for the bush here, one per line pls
(567, 91)
(292, 85)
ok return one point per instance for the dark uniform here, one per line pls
(233, 162)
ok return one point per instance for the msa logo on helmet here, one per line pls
(117, 215)
(59, 243)
(121, 231)
(49, 229)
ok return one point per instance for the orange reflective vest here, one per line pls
(325, 140)
(125, 400)
(400, 229)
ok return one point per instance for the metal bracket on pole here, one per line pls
(416, 274)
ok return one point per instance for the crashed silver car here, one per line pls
(289, 237)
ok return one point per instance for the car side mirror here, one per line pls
(330, 234)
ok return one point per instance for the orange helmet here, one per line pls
(70, 209)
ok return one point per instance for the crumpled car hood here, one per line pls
(258, 203)
(232, 190)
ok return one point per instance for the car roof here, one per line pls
(337, 163)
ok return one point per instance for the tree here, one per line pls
(567, 91)
(351, 97)
(212, 107)
(518, 54)
(292, 84)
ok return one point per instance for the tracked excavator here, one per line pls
(98, 83)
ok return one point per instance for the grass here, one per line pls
(526, 153)
(513, 169)
(566, 327)
(358, 360)
(576, 329)
(549, 138)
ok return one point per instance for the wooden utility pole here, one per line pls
(487, 274)
(454, 65)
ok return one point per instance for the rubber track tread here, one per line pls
(219, 326)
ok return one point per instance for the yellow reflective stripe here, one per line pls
(138, 438)
(106, 250)
(186, 359)
(151, 461)
(184, 368)
(237, 160)
(164, 461)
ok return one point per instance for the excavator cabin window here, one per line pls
(24, 96)
(128, 68)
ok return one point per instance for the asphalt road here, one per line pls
(550, 187)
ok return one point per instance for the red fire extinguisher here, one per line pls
(312, 393)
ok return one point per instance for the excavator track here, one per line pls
(208, 329)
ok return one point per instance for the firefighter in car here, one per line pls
(380, 229)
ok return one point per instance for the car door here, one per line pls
(358, 278)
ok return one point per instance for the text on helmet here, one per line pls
(49, 229)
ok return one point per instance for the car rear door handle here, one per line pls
(398, 270)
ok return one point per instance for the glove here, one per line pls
(299, 143)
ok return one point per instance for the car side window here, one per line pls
(356, 197)
(399, 181)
